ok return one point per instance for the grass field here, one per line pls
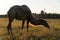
(36, 32)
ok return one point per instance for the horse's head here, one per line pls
(44, 23)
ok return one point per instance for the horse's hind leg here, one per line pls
(9, 28)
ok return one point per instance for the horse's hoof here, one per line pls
(19, 27)
(21, 33)
(13, 38)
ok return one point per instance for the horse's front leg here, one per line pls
(27, 25)
(23, 24)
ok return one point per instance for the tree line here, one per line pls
(41, 15)
(46, 15)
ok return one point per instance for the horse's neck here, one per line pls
(33, 20)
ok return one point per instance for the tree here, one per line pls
(42, 13)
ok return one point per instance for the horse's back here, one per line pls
(19, 12)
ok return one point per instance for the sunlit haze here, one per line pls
(52, 6)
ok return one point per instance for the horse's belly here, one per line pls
(18, 18)
(21, 17)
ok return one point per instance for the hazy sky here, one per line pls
(34, 5)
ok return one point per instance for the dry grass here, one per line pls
(35, 32)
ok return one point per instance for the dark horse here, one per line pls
(23, 13)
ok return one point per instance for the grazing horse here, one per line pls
(23, 13)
